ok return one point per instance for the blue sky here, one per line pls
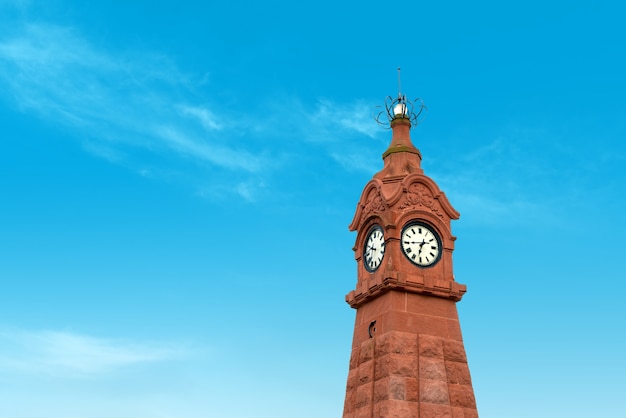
(177, 179)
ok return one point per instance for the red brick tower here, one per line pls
(408, 358)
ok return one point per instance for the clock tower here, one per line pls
(408, 358)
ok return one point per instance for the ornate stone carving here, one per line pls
(373, 203)
(420, 195)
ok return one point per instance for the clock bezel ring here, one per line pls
(364, 247)
(434, 231)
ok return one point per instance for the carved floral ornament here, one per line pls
(374, 202)
(418, 195)
(415, 192)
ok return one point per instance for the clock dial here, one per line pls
(421, 244)
(374, 249)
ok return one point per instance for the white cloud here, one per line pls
(251, 190)
(204, 115)
(503, 181)
(139, 110)
(118, 100)
(485, 208)
(337, 119)
(223, 156)
(354, 161)
(66, 354)
(343, 132)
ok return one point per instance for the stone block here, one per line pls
(363, 395)
(458, 413)
(430, 346)
(364, 412)
(398, 388)
(396, 342)
(418, 323)
(348, 405)
(381, 389)
(470, 413)
(432, 369)
(354, 358)
(462, 396)
(375, 308)
(458, 373)
(396, 409)
(434, 391)
(412, 389)
(353, 379)
(396, 365)
(366, 372)
(464, 413)
(384, 343)
(454, 351)
(454, 329)
(428, 305)
(366, 351)
(435, 411)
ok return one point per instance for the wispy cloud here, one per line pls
(124, 105)
(352, 160)
(226, 157)
(131, 100)
(503, 181)
(67, 354)
(345, 133)
(331, 121)
(205, 116)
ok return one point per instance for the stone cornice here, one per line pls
(397, 281)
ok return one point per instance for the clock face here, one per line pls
(374, 249)
(421, 244)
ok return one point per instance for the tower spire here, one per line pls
(401, 157)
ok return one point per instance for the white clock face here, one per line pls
(374, 249)
(421, 244)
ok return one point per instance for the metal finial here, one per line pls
(400, 108)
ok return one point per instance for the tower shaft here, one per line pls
(408, 360)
